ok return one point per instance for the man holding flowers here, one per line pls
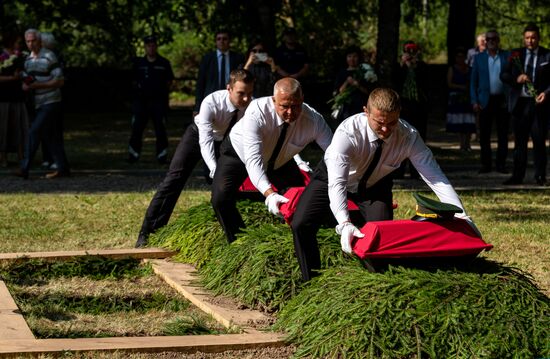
(528, 74)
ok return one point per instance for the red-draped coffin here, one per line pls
(408, 238)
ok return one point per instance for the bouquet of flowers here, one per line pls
(10, 62)
(364, 72)
(515, 59)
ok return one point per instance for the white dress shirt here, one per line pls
(212, 121)
(352, 149)
(255, 136)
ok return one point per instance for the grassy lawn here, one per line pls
(515, 222)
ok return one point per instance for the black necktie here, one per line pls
(271, 162)
(362, 188)
(231, 123)
(222, 73)
(529, 68)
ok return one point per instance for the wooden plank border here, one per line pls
(16, 338)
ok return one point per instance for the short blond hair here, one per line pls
(384, 99)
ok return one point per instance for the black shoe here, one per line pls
(58, 174)
(162, 159)
(132, 158)
(484, 169)
(21, 173)
(541, 181)
(142, 240)
(512, 181)
(502, 170)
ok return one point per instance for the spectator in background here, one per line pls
(14, 119)
(481, 45)
(291, 57)
(48, 42)
(487, 95)
(352, 83)
(43, 77)
(528, 74)
(153, 78)
(215, 68)
(460, 116)
(413, 87)
(263, 67)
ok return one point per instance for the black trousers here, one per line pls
(186, 157)
(494, 112)
(230, 174)
(143, 110)
(313, 210)
(529, 119)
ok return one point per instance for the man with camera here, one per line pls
(263, 67)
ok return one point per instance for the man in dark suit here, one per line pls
(527, 73)
(487, 94)
(215, 68)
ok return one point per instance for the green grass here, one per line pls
(94, 297)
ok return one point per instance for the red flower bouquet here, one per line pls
(515, 59)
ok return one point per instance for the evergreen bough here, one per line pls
(260, 268)
(402, 313)
(195, 234)
(483, 311)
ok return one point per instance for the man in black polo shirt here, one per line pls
(153, 77)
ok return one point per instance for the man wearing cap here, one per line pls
(261, 145)
(219, 112)
(358, 164)
(153, 77)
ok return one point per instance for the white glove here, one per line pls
(347, 231)
(273, 201)
(304, 166)
(212, 171)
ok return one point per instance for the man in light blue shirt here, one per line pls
(489, 100)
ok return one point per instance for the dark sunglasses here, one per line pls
(257, 50)
(491, 38)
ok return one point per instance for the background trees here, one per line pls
(106, 33)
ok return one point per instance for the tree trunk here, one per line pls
(461, 26)
(387, 44)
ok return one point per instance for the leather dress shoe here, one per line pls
(142, 240)
(21, 173)
(512, 181)
(541, 181)
(502, 170)
(58, 174)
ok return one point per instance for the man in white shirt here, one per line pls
(219, 111)
(254, 149)
(346, 172)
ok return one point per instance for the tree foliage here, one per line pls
(107, 33)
